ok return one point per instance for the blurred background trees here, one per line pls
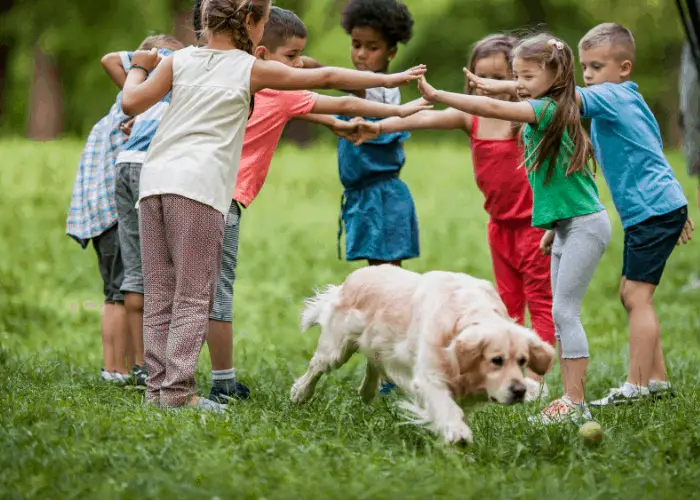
(51, 81)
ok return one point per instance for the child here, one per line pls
(566, 202)
(93, 216)
(377, 212)
(521, 271)
(128, 172)
(189, 174)
(284, 40)
(649, 199)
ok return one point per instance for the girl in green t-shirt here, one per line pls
(559, 160)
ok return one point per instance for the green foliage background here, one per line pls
(76, 33)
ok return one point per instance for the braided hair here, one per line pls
(229, 16)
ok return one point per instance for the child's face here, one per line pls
(289, 53)
(370, 52)
(494, 67)
(600, 65)
(533, 79)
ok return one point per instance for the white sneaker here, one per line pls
(563, 410)
(661, 390)
(535, 390)
(626, 394)
(114, 377)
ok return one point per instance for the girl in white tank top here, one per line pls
(190, 172)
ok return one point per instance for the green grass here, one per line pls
(65, 435)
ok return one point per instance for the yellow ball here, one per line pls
(591, 433)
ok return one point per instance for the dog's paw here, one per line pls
(458, 433)
(299, 394)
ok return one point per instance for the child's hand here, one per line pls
(401, 79)
(367, 131)
(411, 108)
(346, 130)
(126, 126)
(149, 59)
(489, 86)
(546, 242)
(687, 230)
(426, 90)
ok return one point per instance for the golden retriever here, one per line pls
(438, 336)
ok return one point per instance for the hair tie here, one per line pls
(250, 5)
(555, 43)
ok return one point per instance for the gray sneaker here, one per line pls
(622, 396)
(661, 390)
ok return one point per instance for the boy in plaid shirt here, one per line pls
(93, 216)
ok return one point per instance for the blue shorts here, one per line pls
(649, 244)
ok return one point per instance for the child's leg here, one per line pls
(159, 288)
(505, 263)
(114, 327)
(578, 247)
(648, 245)
(220, 336)
(536, 270)
(195, 236)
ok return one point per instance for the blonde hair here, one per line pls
(613, 34)
(161, 42)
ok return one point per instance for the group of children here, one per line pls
(209, 118)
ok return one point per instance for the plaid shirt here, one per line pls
(93, 208)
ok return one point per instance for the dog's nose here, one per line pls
(518, 390)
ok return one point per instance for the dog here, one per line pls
(438, 336)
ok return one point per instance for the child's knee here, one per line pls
(636, 294)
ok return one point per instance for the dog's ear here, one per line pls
(541, 354)
(467, 350)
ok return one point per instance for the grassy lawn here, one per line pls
(63, 434)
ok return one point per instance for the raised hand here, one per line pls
(411, 108)
(148, 59)
(426, 90)
(406, 77)
(489, 86)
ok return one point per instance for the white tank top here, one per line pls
(196, 151)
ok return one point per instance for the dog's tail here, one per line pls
(318, 306)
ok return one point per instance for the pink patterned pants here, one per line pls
(181, 242)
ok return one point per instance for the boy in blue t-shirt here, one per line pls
(646, 194)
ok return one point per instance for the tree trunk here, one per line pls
(46, 101)
(5, 44)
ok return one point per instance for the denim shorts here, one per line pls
(109, 260)
(127, 194)
(649, 244)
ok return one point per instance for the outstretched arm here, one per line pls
(112, 64)
(448, 119)
(275, 75)
(140, 94)
(341, 128)
(352, 106)
(487, 107)
(311, 63)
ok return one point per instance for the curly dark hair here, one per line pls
(391, 18)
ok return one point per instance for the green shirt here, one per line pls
(561, 197)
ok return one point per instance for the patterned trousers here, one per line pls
(181, 242)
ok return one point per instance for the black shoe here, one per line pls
(139, 375)
(222, 395)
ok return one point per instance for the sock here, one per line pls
(633, 390)
(224, 379)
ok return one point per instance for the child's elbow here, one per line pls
(108, 59)
(129, 106)
(327, 79)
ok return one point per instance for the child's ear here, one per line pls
(261, 52)
(392, 53)
(626, 68)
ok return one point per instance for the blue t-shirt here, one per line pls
(145, 127)
(628, 147)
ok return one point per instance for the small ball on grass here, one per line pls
(591, 433)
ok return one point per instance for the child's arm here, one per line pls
(341, 128)
(448, 119)
(311, 63)
(480, 106)
(112, 64)
(140, 94)
(275, 75)
(352, 106)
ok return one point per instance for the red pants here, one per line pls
(181, 243)
(523, 276)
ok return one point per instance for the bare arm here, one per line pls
(340, 128)
(352, 106)
(140, 94)
(311, 63)
(112, 64)
(275, 75)
(487, 107)
(448, 119)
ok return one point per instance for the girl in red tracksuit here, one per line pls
(521, 271)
